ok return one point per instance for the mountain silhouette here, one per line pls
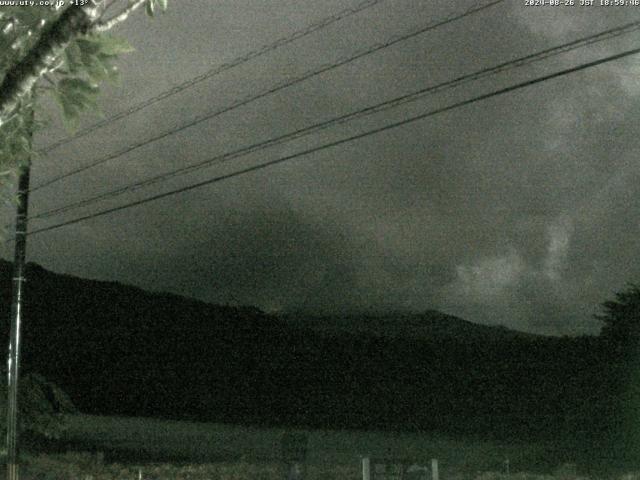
(118, 349)
(430, 325)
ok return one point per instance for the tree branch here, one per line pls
(21, 79)
(75, 21)
(119, 18)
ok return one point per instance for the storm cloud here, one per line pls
(519, 210)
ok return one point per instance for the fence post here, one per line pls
(294, 453)
(434, 469)
(366, 468)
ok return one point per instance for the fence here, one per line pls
(397, 469)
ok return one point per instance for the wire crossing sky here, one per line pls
(517, 209)
(269, 91)
(395, 102)
(342, 141)
(281, 42)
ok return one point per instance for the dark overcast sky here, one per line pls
(520, 210)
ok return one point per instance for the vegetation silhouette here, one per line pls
(621, 319)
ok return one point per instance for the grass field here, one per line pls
(75, 466)
(139, 441)
(79, 467)
(150, 449)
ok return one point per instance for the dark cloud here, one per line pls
(520, 210)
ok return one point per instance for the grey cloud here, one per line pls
(518, 210)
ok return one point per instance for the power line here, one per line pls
(278, 87)
(281, 42)
(382, 106)
(341, 141)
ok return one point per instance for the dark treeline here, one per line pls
(119, 350)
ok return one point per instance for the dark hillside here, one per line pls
(117, 349)
(430, 325)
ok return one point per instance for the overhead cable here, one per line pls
(269, 91)
(281, 42)
(341, 119)
(342, 141)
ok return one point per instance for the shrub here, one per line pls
(42, 406)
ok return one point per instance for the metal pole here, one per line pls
(16, 317)
(434, 469)
(366, 468)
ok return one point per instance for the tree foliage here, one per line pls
(42, 407)
(621, 317)
(66, 52)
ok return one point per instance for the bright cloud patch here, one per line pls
(489, 277)
(558, 235)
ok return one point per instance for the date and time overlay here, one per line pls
(581, 3)
(527, 3)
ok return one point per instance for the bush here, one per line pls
(42, 406)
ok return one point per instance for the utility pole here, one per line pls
(18, 281)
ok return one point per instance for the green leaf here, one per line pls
(150, 7)
(100, 69)
(94, 55)
(110, 45)
(69, 109)
(75, 95)
(88, 45)
(162, 4)
(73, 57)
(77, 86)
(70, 112)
